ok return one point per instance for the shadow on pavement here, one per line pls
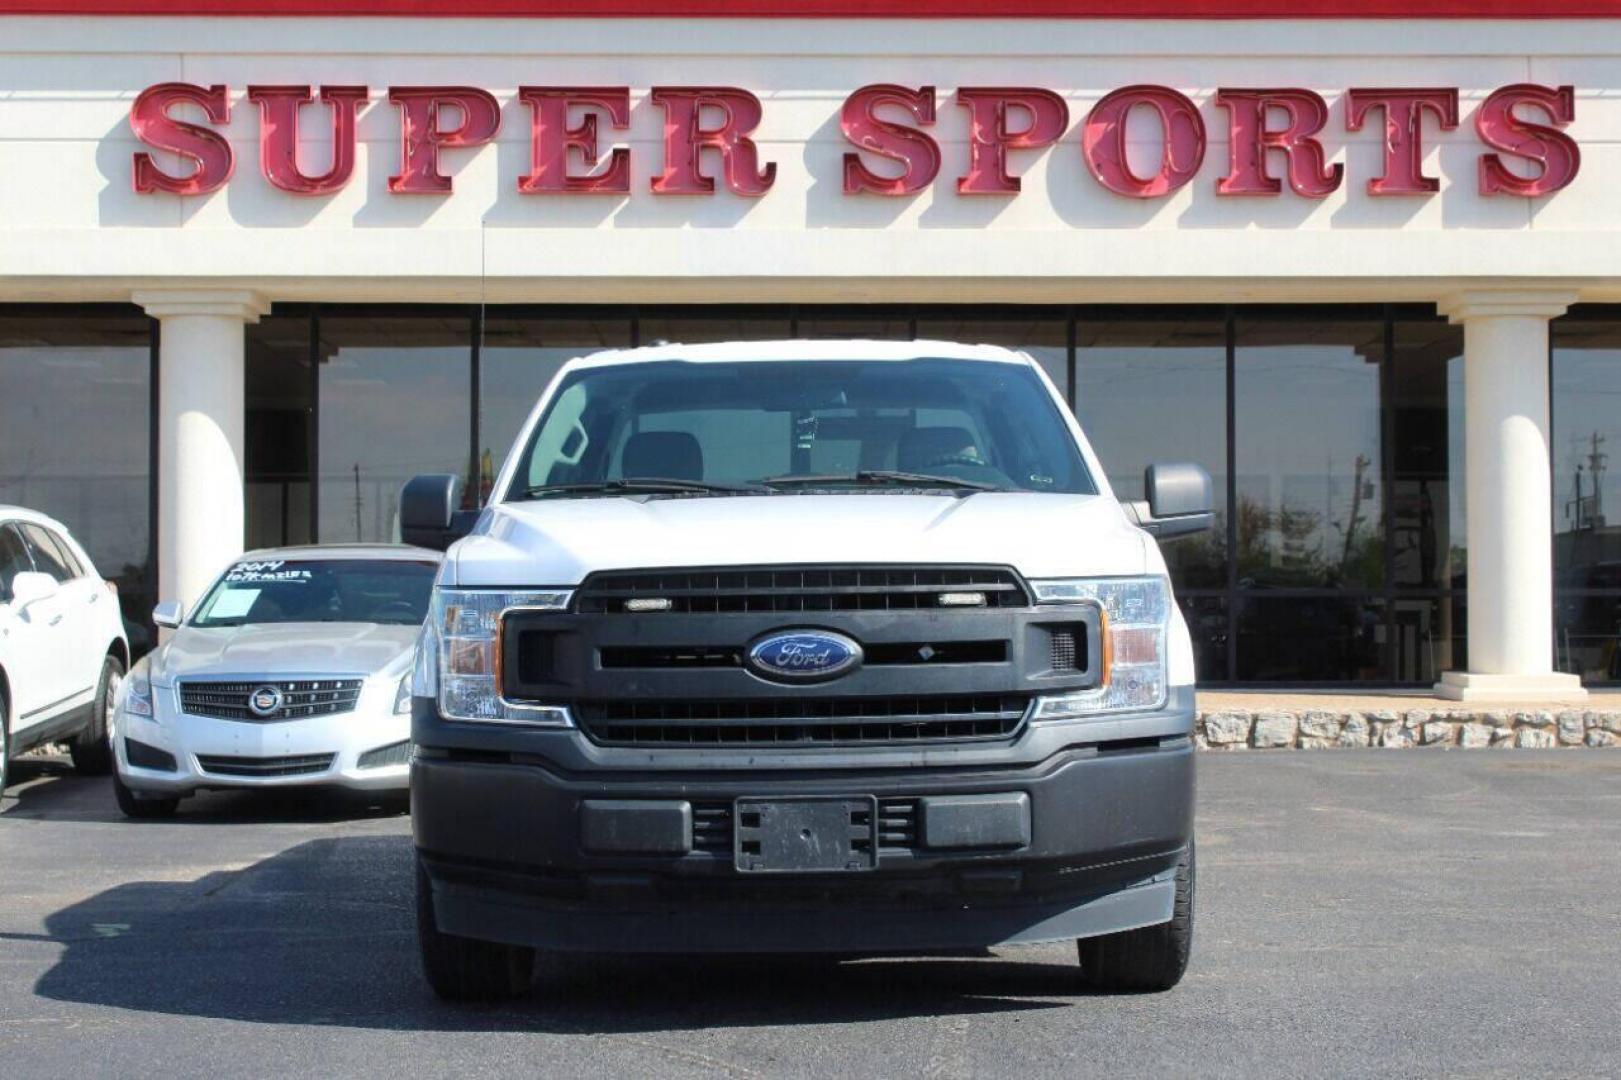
(323, 934)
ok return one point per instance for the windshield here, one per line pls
(391, 591)
(763, 427)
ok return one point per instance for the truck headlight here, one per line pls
(1136, 619)
(459, 658)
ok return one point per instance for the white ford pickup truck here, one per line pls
(841, 647)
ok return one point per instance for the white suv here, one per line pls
(62, 644)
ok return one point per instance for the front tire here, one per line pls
(92, 750)
(143, 806)
(1150, 959)
(465, 969)
(5, 744)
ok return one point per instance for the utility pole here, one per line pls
(1597, 461)
(357, 500)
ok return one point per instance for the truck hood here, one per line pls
(285, 649)
(560, 541)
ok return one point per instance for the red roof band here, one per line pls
(844, 9)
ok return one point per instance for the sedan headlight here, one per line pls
(459, 658)
(135, 692)
(1136, 615)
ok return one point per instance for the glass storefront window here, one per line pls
(1428, 458)
(1323, 638)
(1045, 339)
(1307, 424)
(395, 401)
(1586, 434)
(517, 359)
(1152, 390)
(75, 438)
(277, 425)
(713, 324)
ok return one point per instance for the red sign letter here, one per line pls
(990, 135)
(1404, 133)
(916, 151)
(1555, 154)
(278, 135)
(421, 137)
(685, 138)
(551, 138)
(1104, 141)
(149, 119)
(1249, 139)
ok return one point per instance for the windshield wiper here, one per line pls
(651, 485)
(893, 477)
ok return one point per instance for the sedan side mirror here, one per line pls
(430, 513)
(1180, 501)
(169, 614)
(30, 587)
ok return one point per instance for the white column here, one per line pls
(1509, 498)
(200, 426)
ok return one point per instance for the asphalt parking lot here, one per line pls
(1360, 913)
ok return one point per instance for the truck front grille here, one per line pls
(802, 721)
(796, 589)
(300, 698)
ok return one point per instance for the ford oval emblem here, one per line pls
(803, 656)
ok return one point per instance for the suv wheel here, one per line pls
(5, 745)
(92, 751)
(143, 806)
(464, 969)
(1149, 959)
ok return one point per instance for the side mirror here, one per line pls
(430, 514)
(30, 587)
(1180, 501)
(169, 614)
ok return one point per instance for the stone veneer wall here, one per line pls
(1313, 729)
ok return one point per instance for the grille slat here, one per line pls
(802, 721)
(795, 589)
(301, 699)
(294, 765)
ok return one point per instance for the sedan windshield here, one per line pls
(676, 429)
(393, 591)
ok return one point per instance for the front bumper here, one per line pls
(194, 742)
(1069, 831)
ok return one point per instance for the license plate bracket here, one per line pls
(811, 835)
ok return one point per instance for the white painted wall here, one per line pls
(71, 226)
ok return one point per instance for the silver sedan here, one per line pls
(293, 670)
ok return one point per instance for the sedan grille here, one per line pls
(300, 699)
(296, 765)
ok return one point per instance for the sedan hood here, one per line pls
(285, 649)
(559, 542)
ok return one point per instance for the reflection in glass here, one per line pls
(277, 465)
(75, 405)
(1207, 625)
(1311, 639)
(1427, 503)
(1429, 637)
(395, 402)
(1152, 391)
(820, 325)
(517, 359)
(1587, 635)
(1586, 430)
(713, 324)
(1307, 423)
(1045, 339)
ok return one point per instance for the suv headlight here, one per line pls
(1136, 619)
(459, 656)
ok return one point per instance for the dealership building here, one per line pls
(263, 260)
